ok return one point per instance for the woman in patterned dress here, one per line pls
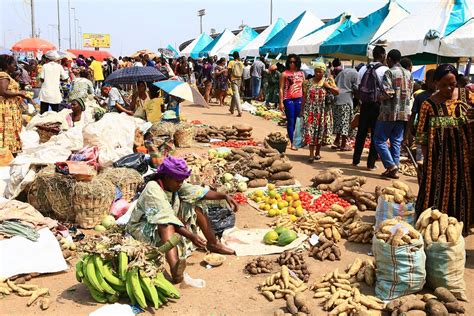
(164, 208)
(316, 110)
(444, 135)
(10, 103)
(220, 81)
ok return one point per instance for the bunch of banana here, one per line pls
(106, 286)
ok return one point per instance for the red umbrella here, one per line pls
(99, 55)
(33, 45)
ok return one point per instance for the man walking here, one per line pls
(236, 70)
(51, 75)
(257, 70)
(97, 72)
(370, 80)
(394, 113)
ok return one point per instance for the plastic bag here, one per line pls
(89, 155)
(119, 208)
(400, 270)
(445, 266)
(387, 210)
(135, 161)
(221, 218)
(298, 135)
(113, 134)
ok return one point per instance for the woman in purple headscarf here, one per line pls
(159, 213)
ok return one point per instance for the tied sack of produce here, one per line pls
(387, 210)
(400, 268)
(445, 252)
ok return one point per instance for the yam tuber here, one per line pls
(444, 295)
(434, 307)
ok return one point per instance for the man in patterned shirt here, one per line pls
(394, 113)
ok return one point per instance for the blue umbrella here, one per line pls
(132, 75)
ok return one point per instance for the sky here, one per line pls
(151, 24)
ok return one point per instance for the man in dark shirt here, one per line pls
(415, 110)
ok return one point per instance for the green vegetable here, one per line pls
(286, 237)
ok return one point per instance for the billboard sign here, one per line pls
(96, 40)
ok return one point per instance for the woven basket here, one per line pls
(184, 137)
(46, 131)
(44, 136)
(92, 201)
(126, 179)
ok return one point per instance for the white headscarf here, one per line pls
(52, 55)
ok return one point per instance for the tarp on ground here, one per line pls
(220, 41)
(459, 43)
(353, 43)
(251, 49)
(240, 41)
(193, 49)
(309, 44)
(296, 29)
(421, 32)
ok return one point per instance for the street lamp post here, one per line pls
(201, 13)
(80, 36)
(76, 21)
(69, 14)
(33, 31)
(271, 12)
(75, 36)
(59, 27)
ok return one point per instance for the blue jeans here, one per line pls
(256, 84)
(392, 130)
(292, 111)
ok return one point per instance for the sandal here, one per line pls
(311, 159)
(317, 157)
(347, 148)
(178, 270)
(335, 147)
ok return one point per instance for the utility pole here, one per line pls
(75, 36)
(32, 18)
(59, 27)
(69, 13)
(271, 12)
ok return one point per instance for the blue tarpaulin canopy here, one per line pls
(296, 29)
(196, 46)
(353, 43)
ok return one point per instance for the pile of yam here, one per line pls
(259, 265)
(280, 284)
(340, 292)
(397, 232)
(359, 231)
(225, 133)
(296, 263)
(348, 188)
(399, 193)
(438, 227)
(23, 289)
(295, 305)
(442, 303)
(263, 165)
(277, 138)
(325, 249)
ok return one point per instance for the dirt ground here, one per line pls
(228, 290)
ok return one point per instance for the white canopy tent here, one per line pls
(459, 43)
(241, 40)
(220, 41)
(251, 49)
(309, 44)
(421, 31)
